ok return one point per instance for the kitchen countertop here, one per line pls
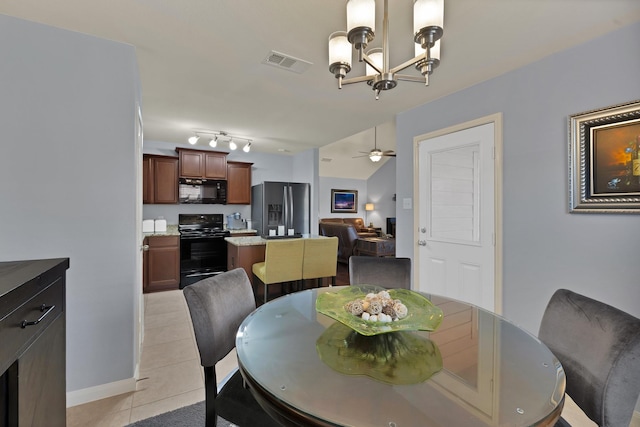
(241, 231)
(172, 230)
(259, 240)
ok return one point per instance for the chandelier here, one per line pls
(428, 17)
(219, 136)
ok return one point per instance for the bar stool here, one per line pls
(320, 259)
(282, 263)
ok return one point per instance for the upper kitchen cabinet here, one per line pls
(159, 179)
(238, 183)
(202, 164)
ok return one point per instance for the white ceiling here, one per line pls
(200, 60)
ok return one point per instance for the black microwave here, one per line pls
(202, 191)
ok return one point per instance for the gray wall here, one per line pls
(67, 180)
(545, 247)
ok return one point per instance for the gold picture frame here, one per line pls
(604, 160)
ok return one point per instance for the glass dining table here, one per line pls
(475, 369)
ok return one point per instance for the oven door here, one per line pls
(201, 257)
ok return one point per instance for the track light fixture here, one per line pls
(428, 18)
(220, 136)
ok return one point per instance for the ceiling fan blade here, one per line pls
(389, 154)
(355, 157)
(385, 152)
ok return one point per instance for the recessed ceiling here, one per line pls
(201, 61)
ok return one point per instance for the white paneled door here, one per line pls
(456, 218)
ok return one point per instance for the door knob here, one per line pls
(422, 242)
(423, 230)
(144, 247)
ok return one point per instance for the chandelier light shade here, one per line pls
(428, 24)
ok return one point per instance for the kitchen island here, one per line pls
(246, 251)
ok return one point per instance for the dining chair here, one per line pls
(386, 272)
(599, 348)
(320, 259)
(218, 305)
(282, 263)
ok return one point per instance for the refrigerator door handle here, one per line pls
(291, 210)
(285, 203)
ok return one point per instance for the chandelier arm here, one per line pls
(368, 60)
(408, 78)
(356, 80)
(407, 64)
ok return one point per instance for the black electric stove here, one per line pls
(203, 250)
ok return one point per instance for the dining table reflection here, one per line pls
(475, 369)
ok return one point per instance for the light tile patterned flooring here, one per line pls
(170, 371)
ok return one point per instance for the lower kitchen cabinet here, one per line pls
(244, 257)
(161, 263)
(32, 337)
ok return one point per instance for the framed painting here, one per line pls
(344, 201)
(604, 160)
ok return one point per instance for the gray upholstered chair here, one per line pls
(386, 272)
(599, 348)
(217, 306)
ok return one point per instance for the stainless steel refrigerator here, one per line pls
(285, 204)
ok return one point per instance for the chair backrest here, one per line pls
(218, 305)
(386, 272)
(320, 258)
(599, 348)
(283, 260)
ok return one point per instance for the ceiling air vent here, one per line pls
(286, 62)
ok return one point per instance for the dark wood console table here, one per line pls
(375, 246)
(32, 333)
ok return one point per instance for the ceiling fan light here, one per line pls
(193, 140)
(375, 155)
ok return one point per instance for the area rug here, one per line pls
(189, 416)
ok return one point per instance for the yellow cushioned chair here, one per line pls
(320, 258)
(282, 263)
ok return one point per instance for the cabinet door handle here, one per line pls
(43, 307)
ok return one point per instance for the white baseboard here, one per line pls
(78, 397)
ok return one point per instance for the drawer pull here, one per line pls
(43, 307)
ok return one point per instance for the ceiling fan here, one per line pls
(376, 154)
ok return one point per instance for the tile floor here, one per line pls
(170, 371)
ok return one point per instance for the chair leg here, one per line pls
(265, 293)
(211, 391)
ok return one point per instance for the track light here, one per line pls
(220, 136)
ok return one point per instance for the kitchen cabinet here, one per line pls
(202, 164)
(159, 179)
(161, 263)
(239, 183)
(33, 350)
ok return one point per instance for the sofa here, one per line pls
(358, 224)
(347, 238)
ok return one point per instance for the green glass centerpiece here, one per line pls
(422, 314)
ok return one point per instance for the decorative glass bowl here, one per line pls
(396, 358)
(422, 314)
